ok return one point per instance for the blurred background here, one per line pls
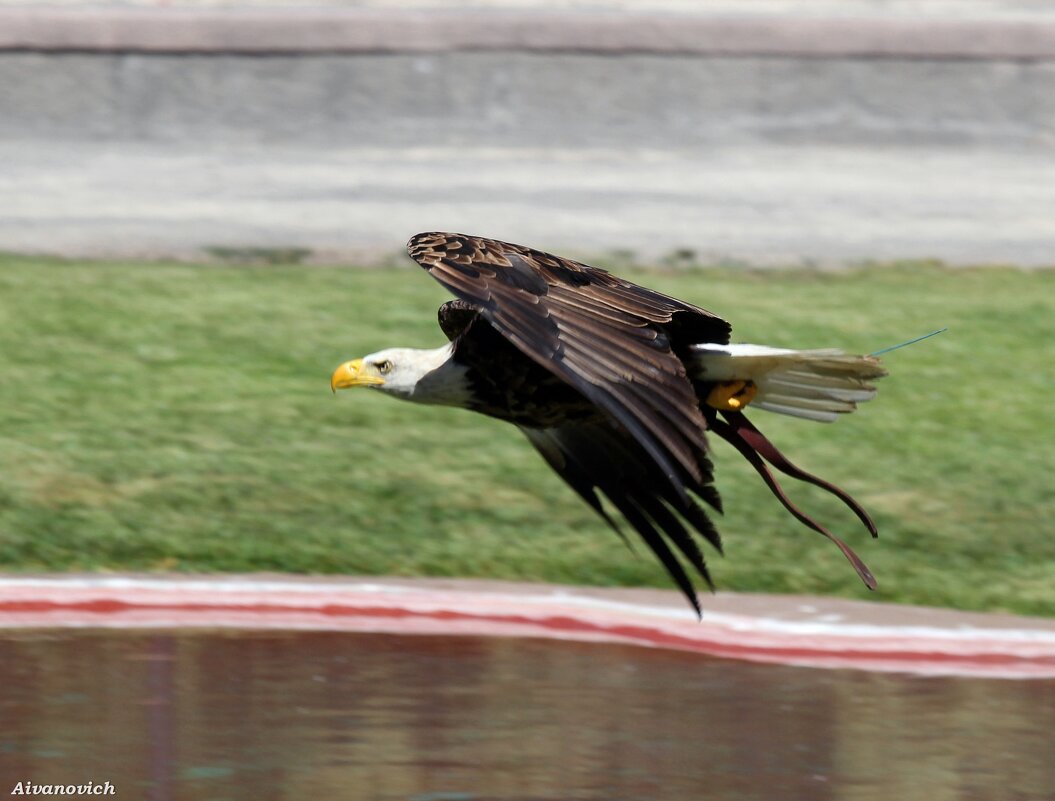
(757, 131)
(203, 207)
(822, 174)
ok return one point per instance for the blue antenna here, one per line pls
(910, 342)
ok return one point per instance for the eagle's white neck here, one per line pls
(425, 376)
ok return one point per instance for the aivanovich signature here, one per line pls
(89, 788)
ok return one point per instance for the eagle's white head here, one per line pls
(422, 376)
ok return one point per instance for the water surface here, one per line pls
(330, 716)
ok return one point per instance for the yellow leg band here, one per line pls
(732, 395)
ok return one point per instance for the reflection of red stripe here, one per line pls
(503, 624)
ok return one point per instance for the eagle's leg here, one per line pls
(731, 396)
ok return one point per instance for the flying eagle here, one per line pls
(615, 385)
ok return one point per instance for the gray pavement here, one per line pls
(765, 205)
(818, 30)
(989, 9)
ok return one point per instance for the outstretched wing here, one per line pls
(608, 338)
(621, 347)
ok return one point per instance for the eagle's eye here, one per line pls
(385, 367)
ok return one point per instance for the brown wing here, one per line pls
(617, 344)
(608, 338)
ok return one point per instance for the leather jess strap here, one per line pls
(738, 431)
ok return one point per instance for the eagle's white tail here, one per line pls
(814, 384)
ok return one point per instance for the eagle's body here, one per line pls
(613, 384)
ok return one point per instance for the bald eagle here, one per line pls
(615, 385)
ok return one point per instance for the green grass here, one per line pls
(170, 417)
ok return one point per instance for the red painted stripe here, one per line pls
(834, 650)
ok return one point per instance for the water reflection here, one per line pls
(220, 715)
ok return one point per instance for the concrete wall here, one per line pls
(564, 82)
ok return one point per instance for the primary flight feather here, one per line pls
(615, 385)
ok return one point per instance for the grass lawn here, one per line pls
(172, 417)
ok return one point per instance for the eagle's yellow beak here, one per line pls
(354, 374)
